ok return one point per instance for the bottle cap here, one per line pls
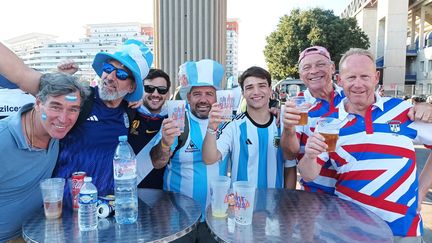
(122, 138)
(87, 179)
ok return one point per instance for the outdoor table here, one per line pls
(162, 216)
(297, 216)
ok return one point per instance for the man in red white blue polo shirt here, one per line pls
(375, 156)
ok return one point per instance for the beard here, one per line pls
(104, 94)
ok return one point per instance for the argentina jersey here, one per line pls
(376, 163)
(186, 172)
(254, 151)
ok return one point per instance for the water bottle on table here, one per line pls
(125, 185)
(87, 211)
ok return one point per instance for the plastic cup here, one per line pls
(244, 192)
(219, 188)
(176, 111)
(329, 128)
(225, 98)
(301, 104)
(52, 194)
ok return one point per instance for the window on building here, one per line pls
(422, 66)
(430, 65)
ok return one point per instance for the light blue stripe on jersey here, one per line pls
(280, 165)
(244, 155)
(199, 168)
(262, 160)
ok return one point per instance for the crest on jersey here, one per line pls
(276, 141)
(135, 125)
(394, 126)
(191, 147)
(126, 119)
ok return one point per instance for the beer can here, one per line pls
(77, 182)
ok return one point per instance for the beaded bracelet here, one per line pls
(211, 131)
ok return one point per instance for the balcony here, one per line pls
(410, 78)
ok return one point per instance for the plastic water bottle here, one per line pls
(87, 211)
(125, 185)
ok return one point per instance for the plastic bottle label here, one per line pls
(85, 198)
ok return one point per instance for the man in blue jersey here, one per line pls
(375, 156)
(185, 171)
(316, 70)
(29, 146)
(252, 138)
(147, 124)
(90, 145)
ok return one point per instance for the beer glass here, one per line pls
(176, 111)
(303, 106)
(329, 127)
(52, 194)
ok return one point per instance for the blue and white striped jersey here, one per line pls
(187, 173)
(254, 151)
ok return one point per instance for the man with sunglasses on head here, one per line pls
(148, 122)
(90, 145)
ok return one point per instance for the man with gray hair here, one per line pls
(29, 146)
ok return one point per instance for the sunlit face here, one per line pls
(154, 101)
(358, 78)
(59, 114)
(200, 100)
(257, 93)
(316, 72)
(111, 88)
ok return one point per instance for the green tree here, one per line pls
(302, 29)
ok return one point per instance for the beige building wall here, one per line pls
(366, 20)
(392, 34)
(188, 30)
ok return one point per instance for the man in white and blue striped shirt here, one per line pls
(252, 138)
(186, 173)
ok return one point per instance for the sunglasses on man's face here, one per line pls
(120, 73)
(150, 89)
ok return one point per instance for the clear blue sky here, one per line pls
(258, 18)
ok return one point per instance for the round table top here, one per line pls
(298, 216)
(162, 216)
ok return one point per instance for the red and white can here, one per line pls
(77, 180)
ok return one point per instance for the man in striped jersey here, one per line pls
(252, 138)
(375, 156)
(316, 69)
(186, 172)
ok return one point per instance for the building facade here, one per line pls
(399, 33)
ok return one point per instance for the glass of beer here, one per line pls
(52, 194)
(329, 127)
(302, 105)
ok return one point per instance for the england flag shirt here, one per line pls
(376, 163)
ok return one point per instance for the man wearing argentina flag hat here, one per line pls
(105, 115)
(185, 172)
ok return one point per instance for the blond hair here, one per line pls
(356, 51)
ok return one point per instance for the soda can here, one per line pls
(77, 182)
(106, 206)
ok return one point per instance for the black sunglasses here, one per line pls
(150, 89)
(120, 73)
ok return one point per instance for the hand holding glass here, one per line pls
(302, 105)
(329, 127)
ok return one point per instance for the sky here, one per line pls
(66, 19)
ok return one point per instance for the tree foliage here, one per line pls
(302, 29)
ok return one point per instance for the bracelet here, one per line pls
(211, 131)
(164, 145)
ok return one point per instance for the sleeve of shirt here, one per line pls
(424, 133)
(225, 138)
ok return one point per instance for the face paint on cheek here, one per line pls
(43, 116)
(71, 98)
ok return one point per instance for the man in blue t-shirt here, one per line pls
(90, 145)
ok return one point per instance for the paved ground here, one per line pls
(427, 221)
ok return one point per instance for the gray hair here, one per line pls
(56, 84)
(356, 51)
